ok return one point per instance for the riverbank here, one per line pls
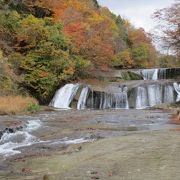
(141, 156)
(109, 144)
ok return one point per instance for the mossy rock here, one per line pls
(129, 75)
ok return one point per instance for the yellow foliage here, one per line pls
(123, 59)
(95, 18)
(107, 15)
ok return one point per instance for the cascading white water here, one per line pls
(64, 96)
(83, 97)
(150, 74)
(9, 142)
(105, 101)
(115, 100)
(121, 100)
(154, 94)
(177, 89)
(139, 97)
(168, 94)
(142, 98)
(162, 73)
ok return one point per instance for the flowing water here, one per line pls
(169, 96)
(103, 100)
(15, 142)
(62, 128)
(177, 89)
(162, 73)
(142, 98)
(64, 96)
(147, 94)
(9, 142)
(103, 116)
(150, 74)
(151, 92)
(82, 99)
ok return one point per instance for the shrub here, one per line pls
(17, 104)
(33, 107)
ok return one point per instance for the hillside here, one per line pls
(45, 44)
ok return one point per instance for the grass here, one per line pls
(17, 104)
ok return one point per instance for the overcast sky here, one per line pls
(139, 12)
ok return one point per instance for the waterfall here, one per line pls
(162, 74)
(64, 96)
(150, 74)
(142, 98)
(168, 94)
(154, 94)
(120, 101)
(114, 101)
(83, 98)
(122, 98)
(177, 89)
(117, 100)
(103, 100)
(138, 94)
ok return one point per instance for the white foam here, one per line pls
(177, 89)
(64, 96)
(76, 141)
(67, 141)
(9, 142)
(141, 98)
(33, 125)
(83, 98)
(150, 74)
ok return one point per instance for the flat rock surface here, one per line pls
(123, 145)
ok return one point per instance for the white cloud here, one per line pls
(138, 12)
(139, 16)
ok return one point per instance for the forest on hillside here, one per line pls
(44, 44)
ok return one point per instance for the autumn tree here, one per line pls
(51, 42)
(169, 20)
(143, 51)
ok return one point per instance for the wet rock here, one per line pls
(1, 134)
(10, 130)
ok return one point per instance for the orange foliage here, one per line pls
(60, 6)
(43, 74)
(94, 32)
(75, 32)
(138, 36)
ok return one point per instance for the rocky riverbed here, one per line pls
(109, 144)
